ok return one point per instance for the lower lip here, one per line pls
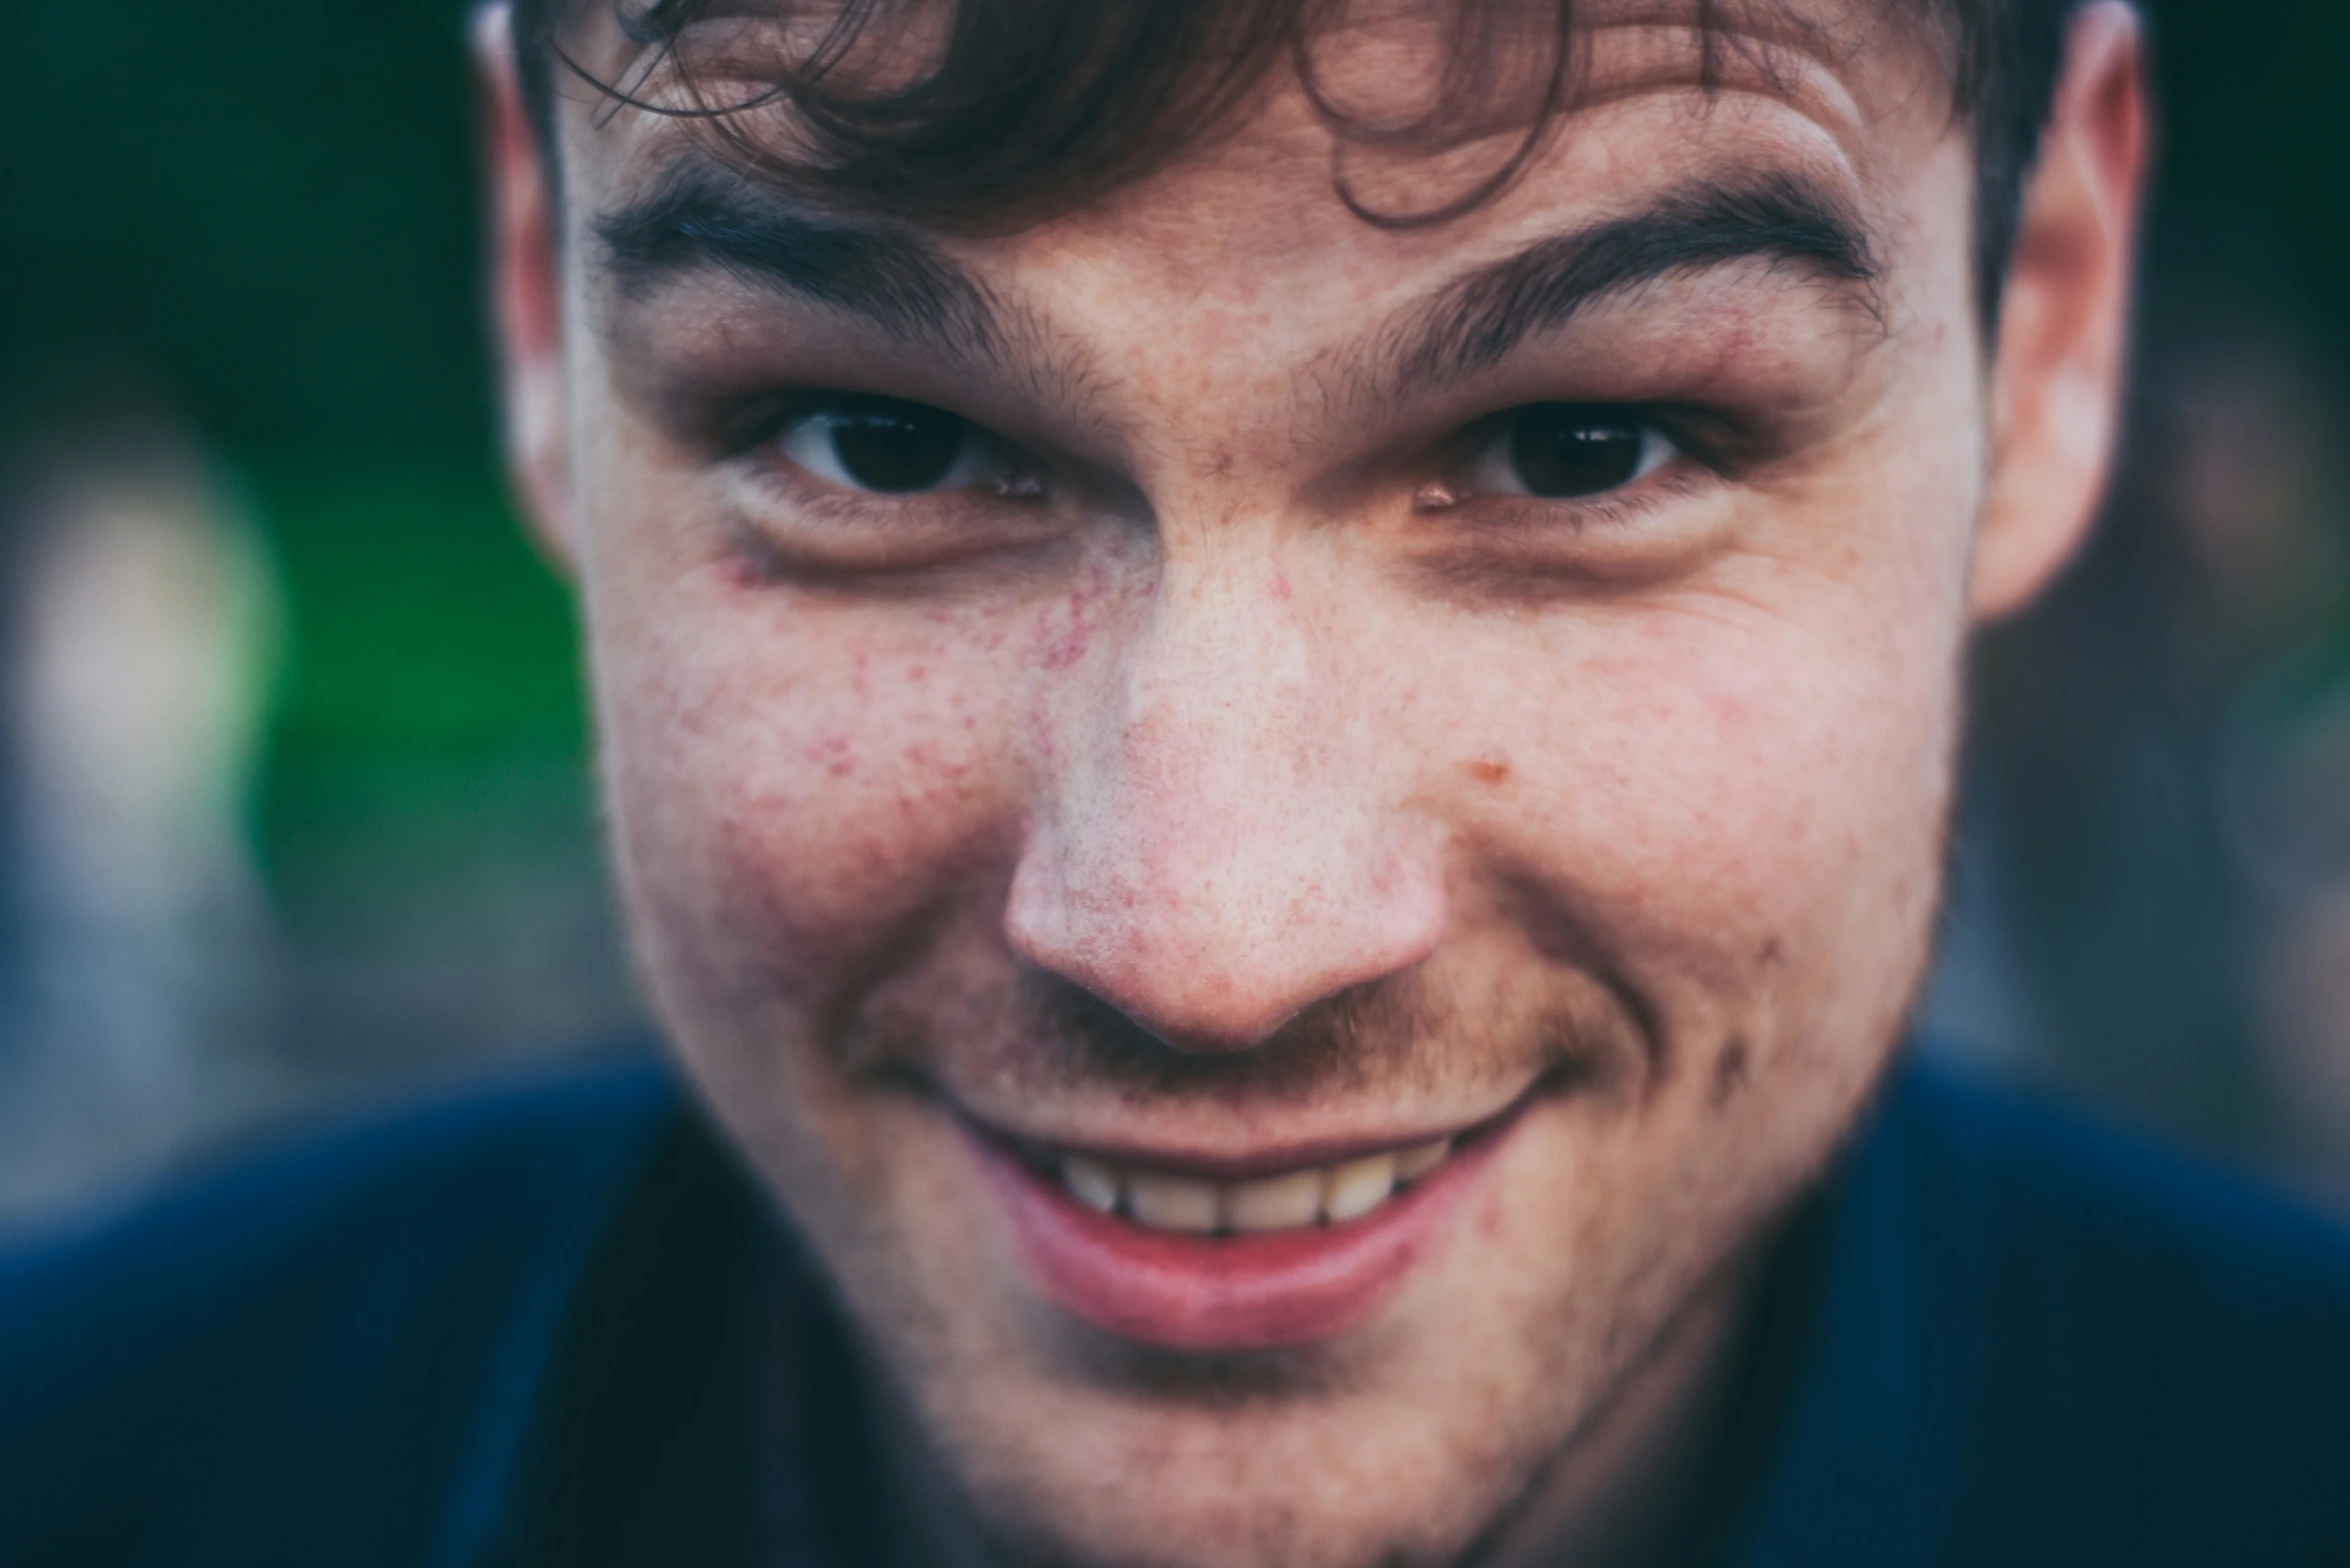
(1225, 1293)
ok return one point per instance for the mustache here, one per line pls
(1034, 1032)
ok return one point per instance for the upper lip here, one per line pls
(1266, 1159)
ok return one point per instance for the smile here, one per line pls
(1292, 1200)
(1198, 1260)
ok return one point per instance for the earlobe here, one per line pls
(526, 288)
(2057, 377)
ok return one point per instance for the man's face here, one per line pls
(1175, 706)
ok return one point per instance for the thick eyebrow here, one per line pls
(1479, 319)
(702, 216)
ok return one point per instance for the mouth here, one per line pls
(1286, 1251)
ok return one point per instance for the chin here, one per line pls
(1395, 1441)
(1362, 1483)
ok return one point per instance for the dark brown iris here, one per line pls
(1563, 450)
(896, 447)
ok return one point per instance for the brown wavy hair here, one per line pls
(1023, 108)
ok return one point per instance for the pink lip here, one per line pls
(1223, 1293)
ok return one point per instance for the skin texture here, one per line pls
(1266, 779)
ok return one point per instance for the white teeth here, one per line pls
(1288, 1202)
(1412, 1164)
(1293, 1200)
(1354, 1189)
(1173, 1202)
(1093, 1182)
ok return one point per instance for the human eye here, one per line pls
(1564, 452)
(1554, 496)
(842, 488)
(883, 446)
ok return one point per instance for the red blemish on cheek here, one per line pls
(741, 572)
(1281, 592)
(1069, 634)
(1065, 631)
(1489, 769)
(923, 759)
(1043, 740)
(1730, 711)
(832, 754)
(1489, 1215)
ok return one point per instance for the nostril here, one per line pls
(1080, 1014)
(1141, 972)
(1199, 965)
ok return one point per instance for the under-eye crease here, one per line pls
(1551, 499)
(842, 490)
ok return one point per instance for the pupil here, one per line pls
(1560, 450)
(897, 449)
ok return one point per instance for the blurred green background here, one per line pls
(255, 223)
(252, 226)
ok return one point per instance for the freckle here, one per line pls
(1489, 770)
(1729, 1071)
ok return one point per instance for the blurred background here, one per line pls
(294, 797)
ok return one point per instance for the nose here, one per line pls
(1219, 838)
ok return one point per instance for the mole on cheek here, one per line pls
(1729, 1071)
(1489, 769)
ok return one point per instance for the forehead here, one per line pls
(1243, 276)
(1853, 92)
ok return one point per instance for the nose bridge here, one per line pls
(1219, 845)
(1218, 706)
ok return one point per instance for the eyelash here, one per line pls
(758, 439)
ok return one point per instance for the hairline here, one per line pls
(1955, 58)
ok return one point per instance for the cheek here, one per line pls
(792, 785)
(1733, 795)
(1746, 774)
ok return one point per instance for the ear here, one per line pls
(526, 288)
(2056, 382)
